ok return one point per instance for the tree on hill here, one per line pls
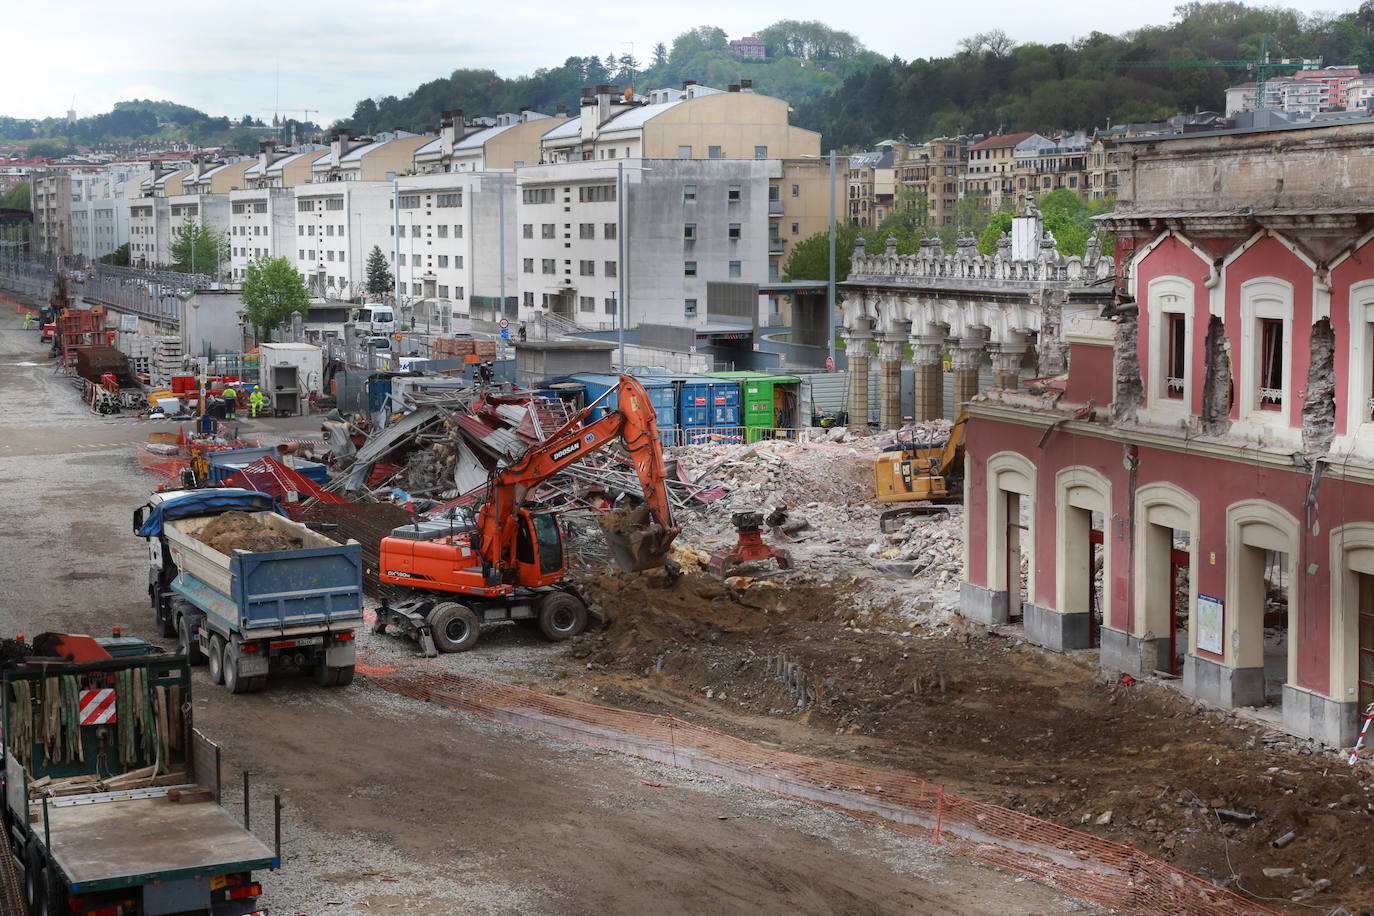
(272, 292)
(379, 279)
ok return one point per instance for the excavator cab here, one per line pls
(538, 549)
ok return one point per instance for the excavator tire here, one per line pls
(561, 616)
(455, 627)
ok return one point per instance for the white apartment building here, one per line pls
(262, 223)
(142, 232)
(434, 230)
(99, 227)
(337, 223)
(155, 221)
(686, 222)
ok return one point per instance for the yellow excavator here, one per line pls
(921, 478)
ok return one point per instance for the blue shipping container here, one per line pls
(661, 391)
(705, 403)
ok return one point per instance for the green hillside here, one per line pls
(993, 83)
(806, 59)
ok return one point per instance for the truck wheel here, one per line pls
(189, 646)
(31, 869)
(50, 897)
(161, 613)
(232, 681)
(216, 660)
(561, 616)
(455, 627)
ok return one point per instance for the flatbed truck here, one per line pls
(111, 795)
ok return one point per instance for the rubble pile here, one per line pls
(829, 519)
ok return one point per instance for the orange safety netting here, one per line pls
(1079, 864)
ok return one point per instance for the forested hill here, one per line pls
(805, 59)
(854, 97)
(993, 83)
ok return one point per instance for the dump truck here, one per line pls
(920, 478)
(250, 613)
(112, 797)
(506, 563)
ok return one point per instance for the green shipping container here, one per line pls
(767, 403)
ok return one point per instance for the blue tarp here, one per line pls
(204, 502)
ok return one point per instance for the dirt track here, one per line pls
(397, 807)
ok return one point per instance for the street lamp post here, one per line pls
(830, 285)
(620, 257)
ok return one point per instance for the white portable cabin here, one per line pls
(290, 373)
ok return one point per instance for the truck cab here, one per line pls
(375, 319)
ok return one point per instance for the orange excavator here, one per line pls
(507, 563)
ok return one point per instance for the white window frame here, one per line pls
(1359, 428)
(1169, 295)
(1261, 298)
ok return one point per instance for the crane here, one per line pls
(1261, 66)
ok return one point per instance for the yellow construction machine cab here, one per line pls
(921, 472)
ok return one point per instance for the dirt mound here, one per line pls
(646, 613)
(241, 531)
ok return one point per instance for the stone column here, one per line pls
(964, 360)
(929, 376)
(1006, 365)
(856, 349)
(890, 381)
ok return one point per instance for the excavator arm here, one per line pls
(639, 539)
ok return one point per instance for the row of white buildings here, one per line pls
(651, 197)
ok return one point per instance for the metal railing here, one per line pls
(27, 278)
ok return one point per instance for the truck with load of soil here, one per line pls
(111, 795)
(248, 590)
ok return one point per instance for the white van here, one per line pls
(375, 319)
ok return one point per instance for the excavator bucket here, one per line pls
(637, 541)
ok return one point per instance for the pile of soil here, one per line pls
(790, 662)
(649, 613)
(241, 531)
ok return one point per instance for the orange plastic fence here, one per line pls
(1079, 864)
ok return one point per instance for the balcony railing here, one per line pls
(775, 208)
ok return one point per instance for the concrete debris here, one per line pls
(1278, 872)
(824, 488)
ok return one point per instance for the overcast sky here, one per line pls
(225, 58)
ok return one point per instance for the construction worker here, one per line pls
(231, 403)
(28, 320)
(255, 402)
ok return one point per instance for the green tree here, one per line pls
(909, 217)
(810, 258)
(119, 257)
(16, 198)
(272, 291)
(998, 225)
(196, 248)
(379, 278)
